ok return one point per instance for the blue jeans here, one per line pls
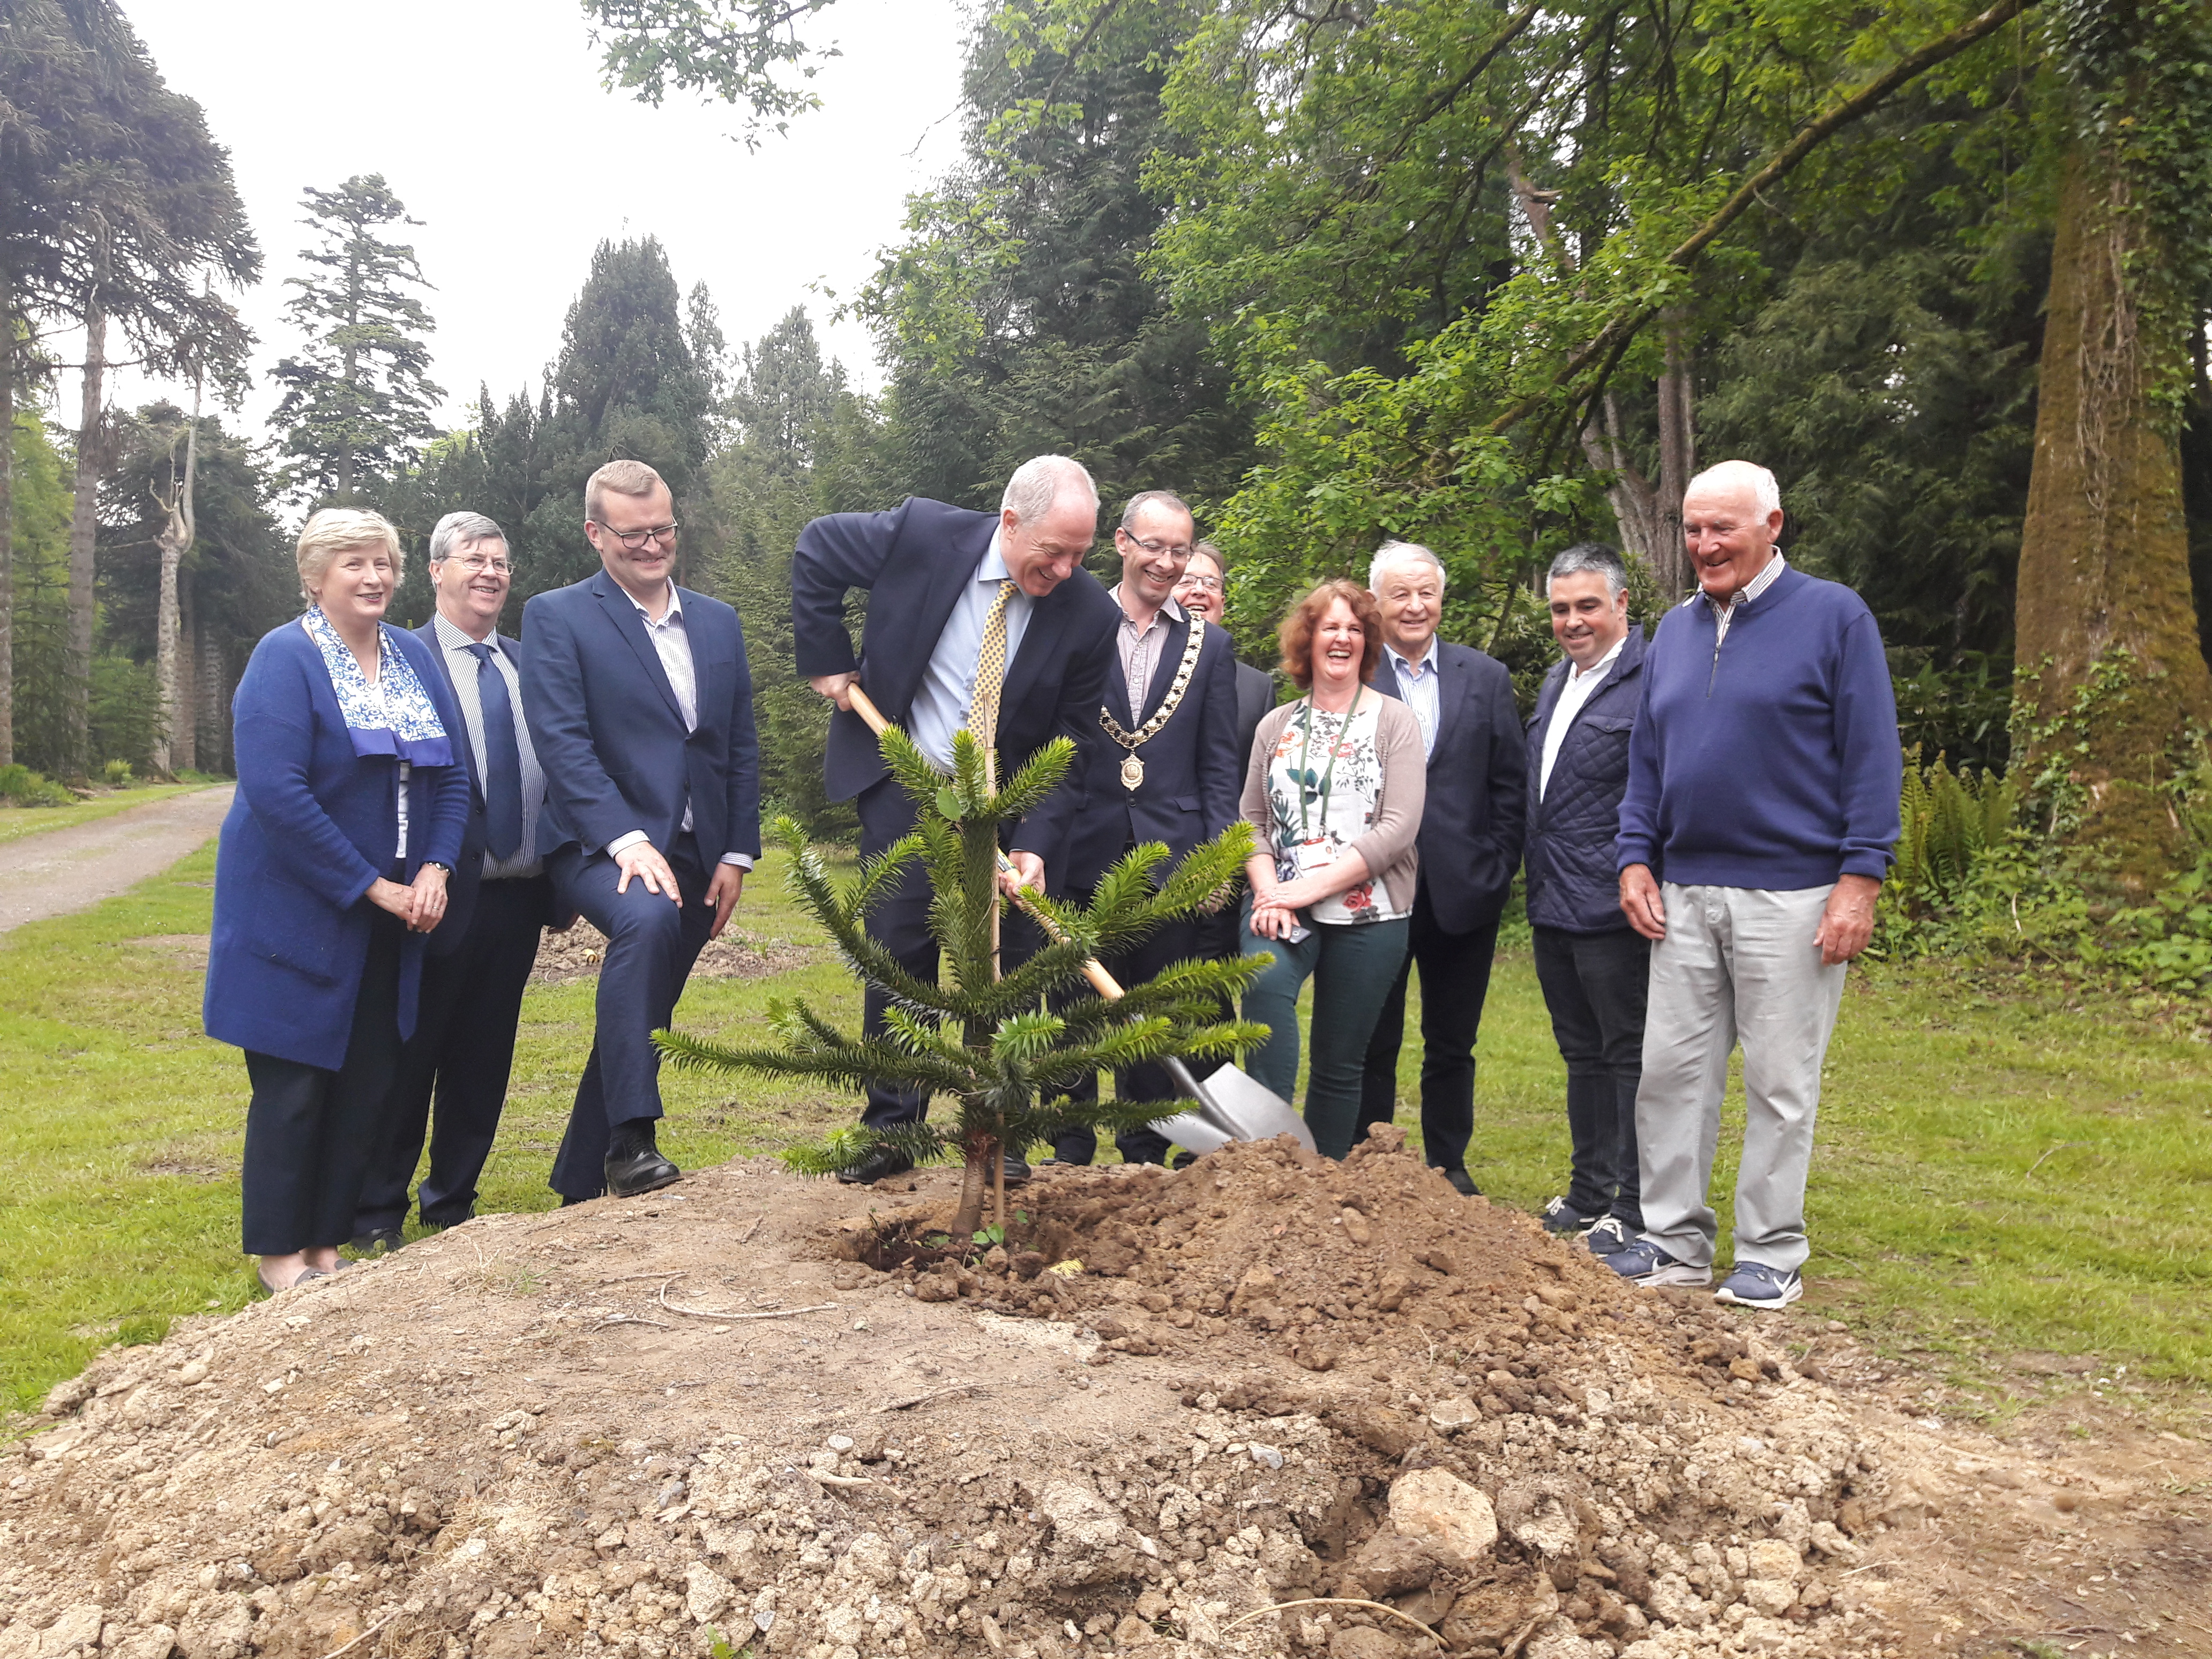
(1352, 966)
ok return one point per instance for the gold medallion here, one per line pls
(1132, 773)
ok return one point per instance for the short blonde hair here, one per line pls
(624, 478)
(330, 532)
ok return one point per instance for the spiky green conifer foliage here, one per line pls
(997, 1051)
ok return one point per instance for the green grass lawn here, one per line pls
(1995, 1176)
(17, 822)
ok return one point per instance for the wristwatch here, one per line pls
(437, 864)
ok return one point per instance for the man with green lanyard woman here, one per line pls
(1334, 794)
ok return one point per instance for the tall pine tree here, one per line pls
(358, 399)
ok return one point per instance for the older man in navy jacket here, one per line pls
(1591, 963)
(453, 1072)
(950, 591)
(1470, 845)
(640, 706)
(1161, 766)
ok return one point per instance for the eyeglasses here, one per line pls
(478, 567)
(1204, 584)
(1171, 550)
(634, 539)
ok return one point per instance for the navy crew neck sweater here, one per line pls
(1770, 760)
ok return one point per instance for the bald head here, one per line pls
(1731, 519)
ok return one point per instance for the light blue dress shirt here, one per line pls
(1417, 685)
(940, 710)
(455, 643)
(671, 643)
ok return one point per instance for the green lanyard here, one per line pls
(1329, 773)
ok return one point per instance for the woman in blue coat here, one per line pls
(331, 868)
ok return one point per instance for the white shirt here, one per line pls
(1744, 595)
(939, 709)
(671, 643)
(461, 663)
(1580, 682)
(1417, 688)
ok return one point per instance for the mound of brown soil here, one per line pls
(1281, 1405)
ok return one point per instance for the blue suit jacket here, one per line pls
(913, 561)
(311, 827)
(468, 874)
(1471, 829)
(1193, 775)
(608, 735)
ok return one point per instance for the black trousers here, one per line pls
(900, 923)
(1454, 980)
(1595, 985)
(311, 1134)
(1174, 941)
(454, 1071)
(651, 945)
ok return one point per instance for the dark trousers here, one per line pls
(311, 1134)
(1176, 941)
(459, 1057)
(1595, 985)
(1454, 980)
(900, 923)
(651, 945)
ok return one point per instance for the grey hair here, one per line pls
(1040, 481)
(1591, 558)
(1207, 550)
(1392, 553)
(462, 530)
(1145, 498)
(1766, 492)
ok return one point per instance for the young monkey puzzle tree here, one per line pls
(1004, 1050)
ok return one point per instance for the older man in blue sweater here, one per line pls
(1762, 804)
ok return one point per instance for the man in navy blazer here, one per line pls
(1181, 731)
(640, 706)
(498, 901)
(1470, 845)
(1594, 967)
(931, 573)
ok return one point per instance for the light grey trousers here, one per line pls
(1736, 963)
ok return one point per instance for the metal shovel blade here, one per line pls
(1231, 1106)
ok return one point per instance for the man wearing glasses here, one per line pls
(641, 702)
(978, 622)
(1161, 766)
(479, 958)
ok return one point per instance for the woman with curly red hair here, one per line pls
(1334, 794)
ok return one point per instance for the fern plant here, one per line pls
(1950, 820)
(996, 1048)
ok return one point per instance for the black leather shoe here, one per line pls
(1018, 1170)
(880, 1165)
(1463, 1184)
(377, 1241)
(634, 1164)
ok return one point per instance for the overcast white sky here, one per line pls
(487, 118)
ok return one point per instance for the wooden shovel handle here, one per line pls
(1102, 981)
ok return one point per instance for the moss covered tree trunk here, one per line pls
(2113, 683)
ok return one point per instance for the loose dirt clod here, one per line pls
(1168, 1403)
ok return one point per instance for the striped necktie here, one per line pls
(990, 680)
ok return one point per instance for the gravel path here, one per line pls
(65, 870)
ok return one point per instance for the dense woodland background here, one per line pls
(1492, 276)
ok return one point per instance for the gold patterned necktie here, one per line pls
(990, 680)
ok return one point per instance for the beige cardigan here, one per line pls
(1388, 846)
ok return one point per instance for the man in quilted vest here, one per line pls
(1591, 963)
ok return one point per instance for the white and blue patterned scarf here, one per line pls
(395, 716)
